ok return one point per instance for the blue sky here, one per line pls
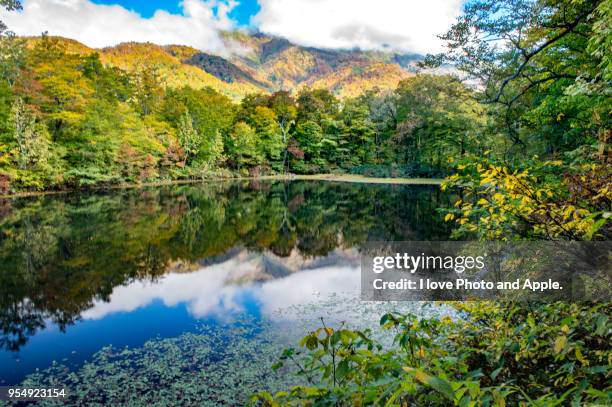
(146, 8)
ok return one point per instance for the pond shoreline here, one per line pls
(290, 177)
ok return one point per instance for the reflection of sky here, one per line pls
(225, 288)
(293, 290)
(142, 310)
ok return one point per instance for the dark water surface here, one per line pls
(192, 289)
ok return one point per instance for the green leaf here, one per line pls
(441, 385)
(342, 369)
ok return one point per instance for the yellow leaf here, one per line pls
(498, 197)
(581, 358)
(560, 343)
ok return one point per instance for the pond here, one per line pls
(190, 292)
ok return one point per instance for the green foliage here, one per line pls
(12, 56)
(9, 5)
(547, 84)
(211, 114)
(357, 137)
(31, 138)
(188, 137)
(498, 354)
(108, 126)
(242, 146)
(438, 119)
(543, 74)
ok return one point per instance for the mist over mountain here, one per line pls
(256, 62)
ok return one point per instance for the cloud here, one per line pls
(103, 25)
(407, 25)
(215, 291)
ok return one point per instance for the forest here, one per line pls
(523, 127)
(529, 121)
(70, 121)
(520, 132)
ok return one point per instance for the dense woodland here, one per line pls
(525, 133)
(521, 133)
(527, 129)
(67, 120)
(542, 71)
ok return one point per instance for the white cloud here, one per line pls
(101, 25)
(214, 291)
(408, 25)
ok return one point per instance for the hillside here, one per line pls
(258, 63)
(353, 80)
(345, 72)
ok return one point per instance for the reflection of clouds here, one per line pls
(213, 290)
(304, 287)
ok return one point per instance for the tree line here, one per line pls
(522, 128)
(68, 120)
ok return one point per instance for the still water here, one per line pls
(190, 292)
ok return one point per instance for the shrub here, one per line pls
(499, 354)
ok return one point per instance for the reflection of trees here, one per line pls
(59, 254)
(18, 321)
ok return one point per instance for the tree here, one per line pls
(12, 58)
(542, 66)
(284, 106)
(12, 55)
(358, 136)
(529, 55)
(10, 5)
(309, 136)
(437, 118)
(110, 83)
(188, 137)
(212, 117)
(31, 137)
(148, 91)
(242, 145)
(57, 86)
(269, 137)
(383, 106)
(316, 104)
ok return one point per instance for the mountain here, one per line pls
(255, 62)
(223, 69)
(289, 66)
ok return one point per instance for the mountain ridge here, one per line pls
(257, 62)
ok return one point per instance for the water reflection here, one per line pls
(217, 248)
(220, 290)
